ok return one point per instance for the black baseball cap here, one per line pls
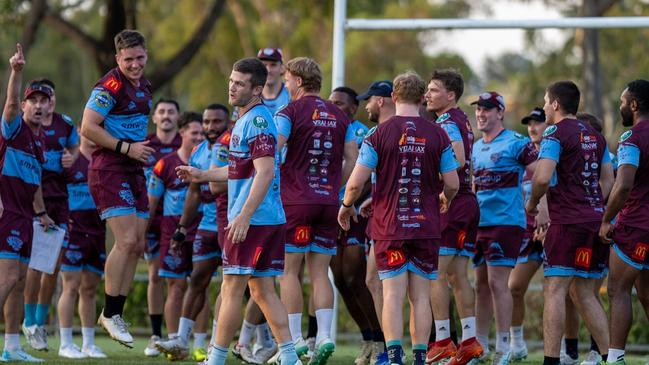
(537, 114)
(377, 88)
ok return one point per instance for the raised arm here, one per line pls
(12, 105)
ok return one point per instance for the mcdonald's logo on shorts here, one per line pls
(583, 257)
(461, 236)
(396, 257)
(302, 234)
(257, 254)
(112, 84)
(640, 251)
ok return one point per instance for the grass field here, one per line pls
(118, 354)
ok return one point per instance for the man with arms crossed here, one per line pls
(409, 154)
(120, 101)
(318, 137)
(629, 261)
(459, 227)
(574, 169)
(164, 141)
(22, 159)
(253, 251)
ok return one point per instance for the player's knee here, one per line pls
(497, 285)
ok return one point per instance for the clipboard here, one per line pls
(46, 247)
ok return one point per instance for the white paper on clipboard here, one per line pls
(46, 247)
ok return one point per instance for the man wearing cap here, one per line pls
(530, 256)
(319, 139)
(22, 159)
(499, 161)
(275, 95)
(459, 226)
(575, 170)
(61, 150)
(116, 118)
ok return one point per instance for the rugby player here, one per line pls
(22, 159)
(319, 139)
(253, 251)
(459, 227)
(115, 118)
(409, 154)
(574, 169)
(164, 141)
(275, 95)
(82, 260)
(61, 150)
(530, 256)
(629, 201)
(499, 160)
(164, 185)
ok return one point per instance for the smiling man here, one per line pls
(116, 118)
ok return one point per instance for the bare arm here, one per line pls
(350, 154)
(195, 175)
(458, 148)
(540, 183)
(70, 155)
(353, 191)
(451, 185)
(153, 206)
(192, 202)
(12, 105)
(39, 208)
(606, 179)
(619, 194)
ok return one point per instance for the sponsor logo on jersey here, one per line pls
(112, 84)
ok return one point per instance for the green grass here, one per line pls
(118, 354)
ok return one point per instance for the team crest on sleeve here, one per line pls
(443, 118)
(549, 130)
(112, 84)
(370, 132)
(625, 136)
(102, 99)
(518, 135)
(360, 132)
(260, 122)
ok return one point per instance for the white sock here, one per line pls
(213, 338)
(264, 335)
(12, 341)
(516, 333)
(199, 340)
(185, 327)
(295, 325)
(614, 355)
(484, 342)
(323, 317)
(442, 329)
(468, 328)
(173, 335)
(246, 333)
(502, 342)
(88, 334)
(66, 336)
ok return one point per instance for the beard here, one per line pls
(627, 116)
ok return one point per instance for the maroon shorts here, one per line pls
(119, 193)
(632, 246)
(531, 250)
(575, 250)
(356, 234)
(84, 252)
(206, 245)
(460, 227)
(175, 264)
(311, 228)
(16, 233)
(498, 245)
(260, 254)
(396, 257)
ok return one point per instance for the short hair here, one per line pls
(639, 91)
(591, 119)
(349, 91)
(254, 67)
(308, 70)
(128, 38)
(217, 106)
(189, 117)
(567, 94)
(166, 101)
(409, 87)
(451, 79)
(45, 81)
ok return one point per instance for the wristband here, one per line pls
(178, 236)
(347, 206)
(118, 147)
(40, 214)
